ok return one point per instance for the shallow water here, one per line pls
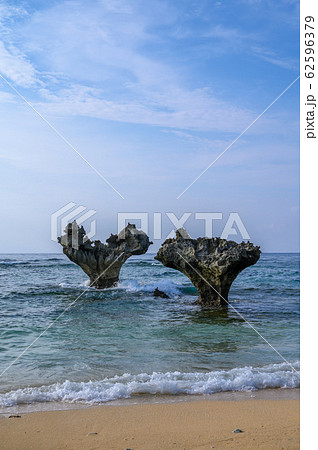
(122, 342)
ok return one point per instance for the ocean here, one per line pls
(123, 343)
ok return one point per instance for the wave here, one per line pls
(133, 286)
(169, 287)
(35, 264)
(169, 383)
(13, 263)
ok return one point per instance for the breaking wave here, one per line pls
(169, 383)
(167, 286)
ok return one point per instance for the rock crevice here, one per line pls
(212, 264)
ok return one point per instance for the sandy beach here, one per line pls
(265, 424)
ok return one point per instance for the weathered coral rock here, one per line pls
(102, 262)
(211, 264)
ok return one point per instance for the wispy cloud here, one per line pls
(234, 40)
(15, 66)
(192, 74)
(94, 61)
(273, 58)
(172, 108)
(100, 45)
(6, 97)
(9, 12)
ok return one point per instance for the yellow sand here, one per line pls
(266, 424)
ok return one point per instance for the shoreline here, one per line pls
(260, 394)
(268, 423)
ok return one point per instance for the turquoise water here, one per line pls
(122, 342)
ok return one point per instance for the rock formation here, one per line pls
(102, 262)
(158, 293)
(211, 264)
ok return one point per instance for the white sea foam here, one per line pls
(167, 286)
(173, 383)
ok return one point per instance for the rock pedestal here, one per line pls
(102, 262)
(211, 264)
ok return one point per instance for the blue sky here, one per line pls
(150, 93)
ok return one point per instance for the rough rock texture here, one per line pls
(102, 262)
(215, 260)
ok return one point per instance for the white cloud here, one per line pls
(80, 46)
(232, 35)
(9, 12)
(15, 66)
(117, 6)
(173, 107)
(6, 97)
(100, 45)
(13, 63)
(273, 58)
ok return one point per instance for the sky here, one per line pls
(144, 95)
